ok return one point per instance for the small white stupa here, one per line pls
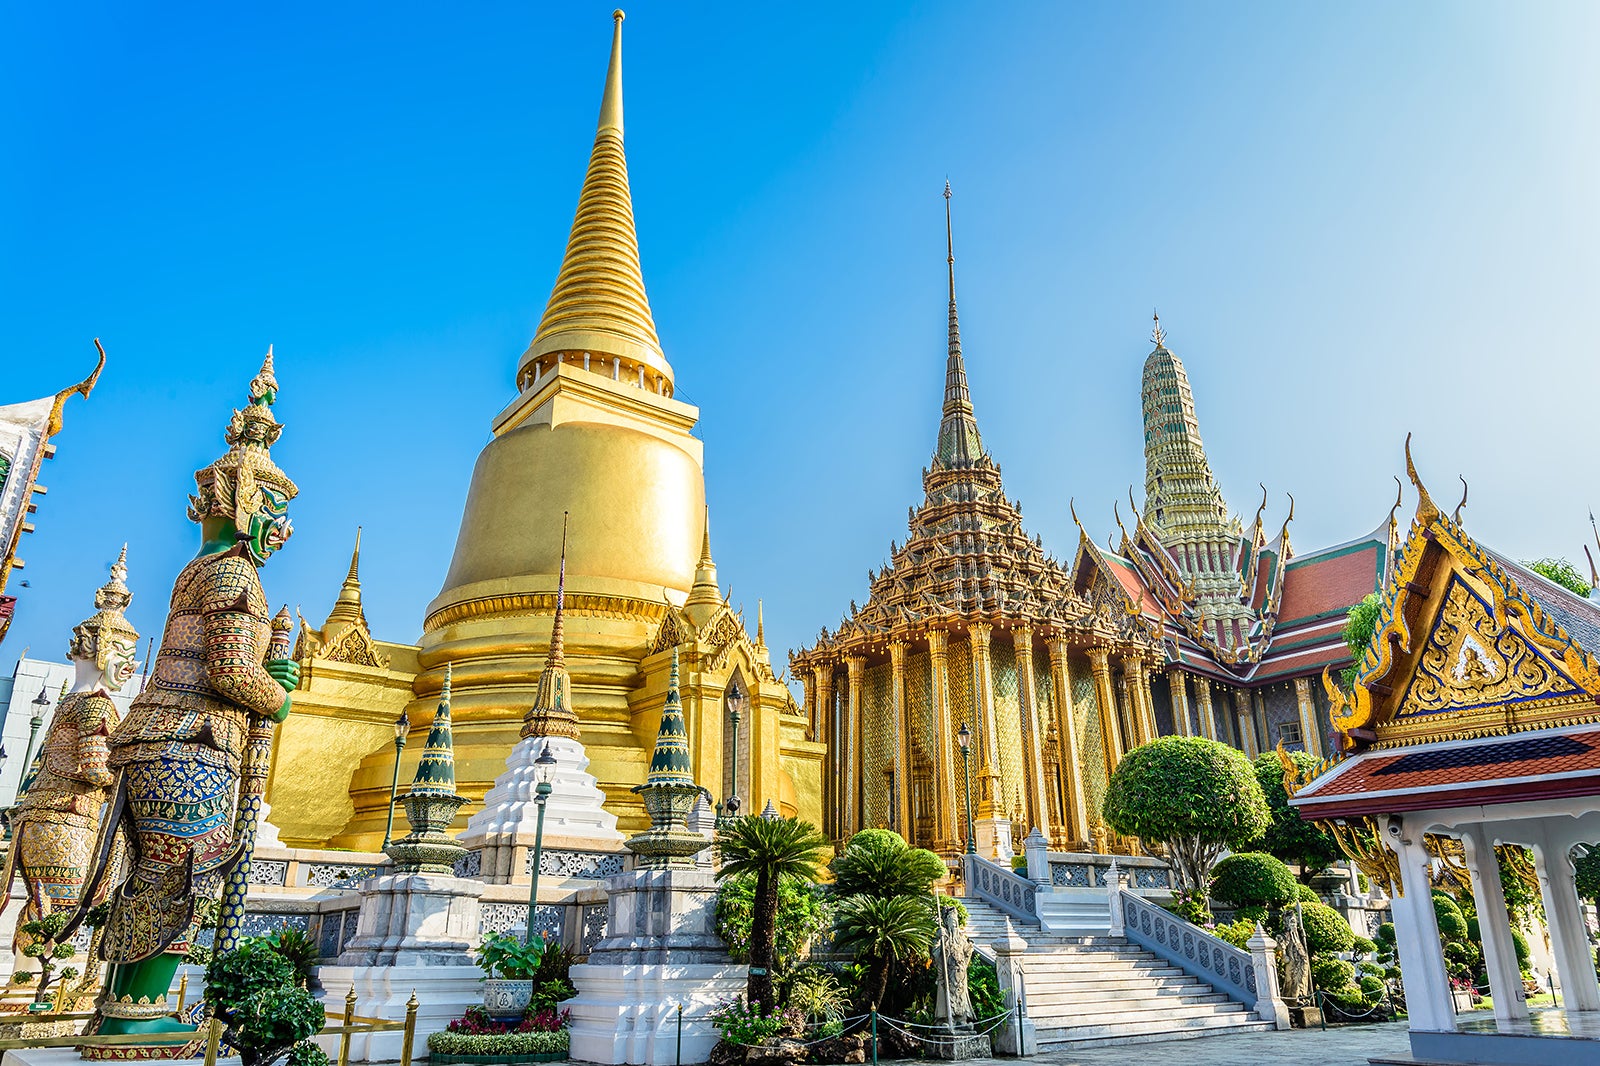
(575, 815)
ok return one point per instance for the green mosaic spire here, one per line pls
(436, 772)
(670, 764)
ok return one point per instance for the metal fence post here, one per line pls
(213, 1040)
(679, 1059)
(874, 1036)
(410, 1030)
(349, 1019)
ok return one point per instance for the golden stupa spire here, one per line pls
(598, 304)
(959, 441)
(347, 607)
(552, 714)
(705, 592)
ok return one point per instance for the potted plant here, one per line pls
(508, 967)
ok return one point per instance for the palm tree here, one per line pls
(769, 850)
(881, 930)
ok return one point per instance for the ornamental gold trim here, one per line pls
(536, 603)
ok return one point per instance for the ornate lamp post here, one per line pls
(541, 792)
(964, 738)
(41, 703)
(402, 726)
(737, 701)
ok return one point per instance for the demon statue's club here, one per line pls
(179, 752)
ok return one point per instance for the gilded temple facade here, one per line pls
(973, 626)
(595, 430)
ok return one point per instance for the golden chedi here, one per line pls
(595, 430)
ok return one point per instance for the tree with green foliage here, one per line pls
(1196, 796)
(1561, 572)
(769, 851)
(1253, 879)
(802, 914)
(266, 1014)
(42, 937)
(1289, 836)
(1359, 625)
(1587, 875)
(881, 931)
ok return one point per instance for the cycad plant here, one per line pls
(768, 850)
(879, 930)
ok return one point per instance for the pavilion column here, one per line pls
(1076, 816)
(1129, 715)
(1139, 695)
(1428, 999)
(1106, 696)
(1310, 735)
(1494, 923)
(944, 776)
(1037, 796)
(828, 713)
(1246, 720)
(854, 813)
(1180, 702)
(990, 803)
(1564, 915)
(1202, 699)
(808, 679)
(901, 800)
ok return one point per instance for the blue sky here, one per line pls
(1356, 221)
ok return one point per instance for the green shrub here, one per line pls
(1252, 914)
(534, 1043)
(1371, 988)
(1253, 878)
(1326, 929)
(1452, 923)
(802, 915)
(1385, 934)
(1363, 946)
(1330, 974)
(1237, 932)
(1519, 944)
(878, 862)
(1369, 969)
(743, 1023)
(983, 986)
(946, 902)
(1019, 863)
(1305, 895)
(815, 993)
(265, 1014)
(509, 957)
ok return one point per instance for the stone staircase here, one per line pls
(1086, 991)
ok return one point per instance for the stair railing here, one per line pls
(1001, 888)
(1248, 977)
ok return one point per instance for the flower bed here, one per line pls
(473, 1038)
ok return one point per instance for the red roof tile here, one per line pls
(1336, 583)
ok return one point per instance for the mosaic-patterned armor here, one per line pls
(57, 818)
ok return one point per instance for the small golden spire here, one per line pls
(1455, 516)
(347, 609)
(705, 592)
(1158, 335)
(761, 626)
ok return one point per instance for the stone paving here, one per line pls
(1350, 1045)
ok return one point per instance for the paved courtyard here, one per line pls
(1345, 1046)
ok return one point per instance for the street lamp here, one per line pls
(402, 726)
(964, 738)
(736, 704)
(541, 792)
(41, 703)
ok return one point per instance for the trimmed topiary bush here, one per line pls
(1371, 988)
(1452, 923)
(1305, 895)
(1326, 930)
(1331, 975)
(1253, 878)
(1363, 946)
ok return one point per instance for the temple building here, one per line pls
(595, 430)
(1247, 625)
(972, 626)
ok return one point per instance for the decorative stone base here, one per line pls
(1305, 1017)
(629, 1014)
(416, 920)
(959, 1048)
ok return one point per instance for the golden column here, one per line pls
(1037, 788)
(1139, 698)
(1180, 702)
(827, 715)
(1310, 734)
(854, 815)
(1202, 697)
(902, 742)
(1247, 727)
(990, 803)
(1106, 696)
(944, 778)
(1132, 734)
(1067, 729)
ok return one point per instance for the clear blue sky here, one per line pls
(1356, 220)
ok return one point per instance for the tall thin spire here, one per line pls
(705, 592)
(598, 304)
(436, 770)
(958, 429)
(347, 609)
(552, 714)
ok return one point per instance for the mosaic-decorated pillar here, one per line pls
(902, 741)
(1245, 716)
(854, 666)
(1037, 796)
(1202, 699)
(1310, 735)
(990, 803)
(1077, 816)
(827, 716)
(944, 779)
(1106, 696)
(1180, 702)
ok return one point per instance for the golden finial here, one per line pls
(1456, 514)
(82, 388)
(1158, 335)
(1283, 534)
(1594, 577)
(1426, 509)
(1399, 495)
(1118, 516)
(444, 689)
(761, 624)
(611, 101)
(1262, 509)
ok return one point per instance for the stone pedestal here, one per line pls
(575, 815)
(661, 952)
(993, 836)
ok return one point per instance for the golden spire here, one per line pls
(551, 714)
(959, 441)
(1157, 335)
(347, 607)
(705, 592)
(761, 626)
(598, 304)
